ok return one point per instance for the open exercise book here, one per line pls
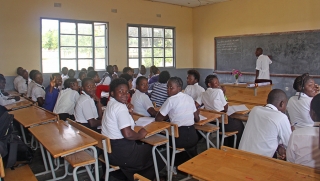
(233, 109)
(144, 121)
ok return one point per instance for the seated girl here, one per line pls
(193, 89)
(94, 76)
(128, 78)
(118, 125)
(52, 92)
(32, 83)
(37, 93)
(159, 89)
(81, 76)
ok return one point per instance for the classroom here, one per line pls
(193, 26)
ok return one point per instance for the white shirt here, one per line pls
(303, 147)
(265, 130)
(22, 86)
(66, 101)
(134, 85)
(262, 65)
(212, 99)
(180, 109)
(37, 91)
(141, 103)
(30, 87)
(116, 117)
(16, 81)
(4, 100)
(194, 91)
(85, 109)
(64, 77)
(298, 111)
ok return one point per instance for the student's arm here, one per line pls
(94, 122)
(281, 151)
(99, 108)
(196, 115)
(164, 110)
(257, 74)
(226, 108)
(40, 101)
(152, 112)
(129, 134)
(160, 117)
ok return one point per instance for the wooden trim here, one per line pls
(272, 75)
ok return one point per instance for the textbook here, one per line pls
(233, 109)
(144, 121)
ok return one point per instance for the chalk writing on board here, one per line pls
(229, 46)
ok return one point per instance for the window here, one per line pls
(149, 45)
(73, 44)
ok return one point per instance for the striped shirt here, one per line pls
(159, 93)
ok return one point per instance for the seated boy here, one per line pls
(32, 83)
(5, 100)
(18, 78)
(23, 83)
(193, 89)
(37, 93)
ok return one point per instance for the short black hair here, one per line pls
(116, 82)
(85, 80)
(55, 74)
(90, 69)
(2, 78)
(275, 96)
(35, 74)
(209, 78)
(70, 72)
(67, 83)
(84, 70)
(92, 74)
(109, 67)
(32, 72)
(64, 68)
(127, 69)
(260, 49)
(139, 79)
(195, 74)
(176, 80)
(126, 76)
(300, 82)
(315, 104)
(164, 76)
(155, 70)
(19, 70)
(81, 73)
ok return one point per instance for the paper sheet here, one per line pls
(202, 117)
(143, 121)
(233, 109)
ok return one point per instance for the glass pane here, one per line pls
(100, 64)
(146, 42)
(158, 42)
(146, 32)
(99, 41)
(133, 42)
(85, 29)
(169, 52)
(100, 53)
(169, 42)
(84, 40)
(169, 62)
(68, 40)
(99, 30)
(133, 52)
(85, 53)
(158, 52)
(67, 28)
(158, 62)
(146, 52)
(157, 32)
(134, 63)
(68, 52)
(50, 51)
(169, 33)
(147, 62)
(85, 63)
(71, 64)
(50, 61)
(133, 31)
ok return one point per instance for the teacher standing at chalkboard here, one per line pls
(262, 67)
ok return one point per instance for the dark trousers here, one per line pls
(93, 128)
(64, 116)
(233, 125)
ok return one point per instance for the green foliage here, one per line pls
(50, 40)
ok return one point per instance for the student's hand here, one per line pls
(130, 107)
(143, 132)
(17, 98)
(53, 82)
(224, 90)
(281, 152)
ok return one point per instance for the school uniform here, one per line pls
(4, 100)
(79, 82)
(127, 154)
(64, 77)
(141, 103)
(303, 147)
(194, 91)
(37, 91)
(66, 103)
(51, 98)
(266, 128)
(16, 81)
(106, 79)
(84, 110)
(134, 85)
(298, 110)
(22, 86)
(30, 87)
(154, 79)
(262, 65)
(159, 93)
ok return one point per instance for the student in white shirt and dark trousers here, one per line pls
(18, 78)
(262, 65)
(268, 128)
(193, 89)
(299, 105)
(32, 83)
(38, 93)
(181, 110)
(303, 147)
(118, 125)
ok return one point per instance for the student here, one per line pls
(38, 93)
(18, 78)
(159, 89)
(268, 128)
(67, 100)
(84, 70)
(129, 79)
(81, 76)
(128, 70)
(90, 69)
(115, 72)
(142, 72)
(52, 91)
(193, 89)
(32, 83)
(64, 73)
(5, 100)
(71, 73)
(303, 147)
(118, 125)
(213, 99)
(140, 100)
(155, 76)
(299, 105)
(262, 65)
(107, 77)
(181, 110)
(88, 110)
(23, 83)
(95, 76)
(151, 71)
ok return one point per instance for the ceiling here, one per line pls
(189, 3)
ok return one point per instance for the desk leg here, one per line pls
(23, 134)
(96, 166)
(51, 166)
(44, 162)
(155, 162)
(168, 154)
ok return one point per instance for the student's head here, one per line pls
(305, 84)
(110, 69)
(128, 78)
(58, 79)
(64, 70)
(143, 70)
(193, 77)
(142, 84)
(174, 86)
(151, 69)
(71, 83)
(19, 70)
(84, 70)
(25, 74)
(90, 69)
(82, 75)
(259, 51)
(89, 86)
(71, 73)
(212, 81)
(314, 108)
(127, 70)
(37, 77)
(164, 76)
(94, 76)
(278, 98)
(119, 90)
(2, 83)
(155, 71)
(31, 74)
(115, 69)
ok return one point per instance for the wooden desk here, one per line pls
(13, 93)
(242, 89)
(230, 164)
(246, 99)
(210, 117)
(18, 105)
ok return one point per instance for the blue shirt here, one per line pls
(153, 79)
(51, 98)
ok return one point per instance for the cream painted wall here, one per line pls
(239, 17)
(20, 27)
